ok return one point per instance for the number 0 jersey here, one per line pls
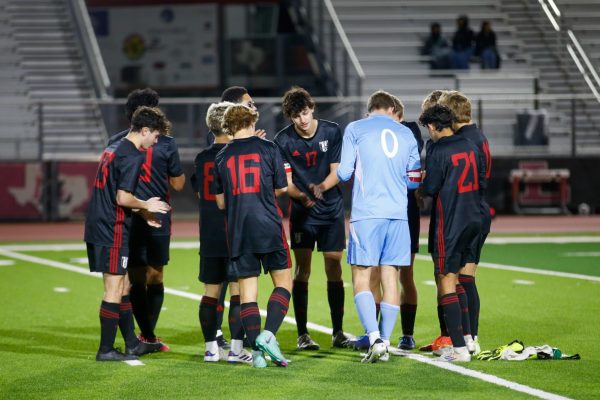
(309, 161)
(248, 172)
(107, 223)
(455, 178)
(384, 157)
(213, 240)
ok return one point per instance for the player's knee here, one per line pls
(302, 272)
(154, 275)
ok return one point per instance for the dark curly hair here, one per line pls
(140, 97)
(295, 101)
(439, 116)
(151, 118)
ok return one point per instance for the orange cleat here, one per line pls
(439, 343)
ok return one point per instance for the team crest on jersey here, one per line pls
(324, 145)
(124, 261)
(298, 237)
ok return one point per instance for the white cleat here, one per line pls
(243, 356)
(457, 355)
(376, 351)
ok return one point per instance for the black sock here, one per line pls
(155, 295)
(408, 313)
(126, 324)
(300, 299)
(336, 297)
(109, 320)
(221, 307)
(208, 318)
(139, 302)
(468, 282)
(451, 306)
(251, 321)
(464, 309)
(235, 322)
(277, 309)
(441, 320)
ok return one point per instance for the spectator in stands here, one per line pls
(437, 47)
(485, 47)
(462, 43)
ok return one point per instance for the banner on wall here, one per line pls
(172, 46)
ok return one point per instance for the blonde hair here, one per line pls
(459, 104)
(214, 117)
(238, 117)
(398, 107)
(431, 99)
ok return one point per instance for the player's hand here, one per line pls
(306, 201)
(419, 197)
(316, 191)
(150, 218)
(261, 133)
(156, 205)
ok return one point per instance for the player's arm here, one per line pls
(283, 174)
(295, 193)
(154, 205)
(348, 159)
(329, 182)
(220, 201)
(434, 178)
(177, 182)
(413, 172)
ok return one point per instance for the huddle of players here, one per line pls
(244, 179)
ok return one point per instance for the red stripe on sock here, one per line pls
(125, 306)
(208, 300)
(449, 299)
(280, 299)
(108, 314)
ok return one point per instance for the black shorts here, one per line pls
(330, 237)
(109, 260)
(215, 270)
(414, 221)
(248, 265)
(475, 249)
(457, 253)
(145, 247)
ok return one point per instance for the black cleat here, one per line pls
(222, 342)
(339, 340)
(114, 355)
(143, 348)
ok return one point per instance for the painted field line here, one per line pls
(319, 328)
(535, 240)
(536, 271)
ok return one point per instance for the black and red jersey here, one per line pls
(474, 134)
(213, 240)
(455, 178)
(107, 223)
(309, 161)
(248, 172)
(161, 162)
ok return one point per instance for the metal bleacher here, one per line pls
(45, 84)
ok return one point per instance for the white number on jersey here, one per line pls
(384, 144)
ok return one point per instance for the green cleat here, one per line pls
(258, 359)
(266, 342)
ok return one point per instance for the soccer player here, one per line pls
(107, 228)
(311, 149)
(149, 247)
(383, 156)
(454, 178)
(214, 256)
(237, 95)
(464, 126)
(250, 174)
(408, 294)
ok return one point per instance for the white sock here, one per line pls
(373, 336)
(213, 347)
(219, 333)
(461, 350)
(237, 346)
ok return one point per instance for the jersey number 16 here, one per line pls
(240, 172)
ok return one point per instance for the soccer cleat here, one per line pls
(470, 343)
(163, 346)
(143, 348)
(454, 356)
(477, 347)
(305, 342)
(258, 359)
(407, 343)
(114, 355)
(339, 340)
(222, 342)
(211, 357)
(439, 343)
(376, 351)
(267, 343)
(243, 356)
(359, 343)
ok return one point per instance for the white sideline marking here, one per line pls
(61, 289)
(582, 254)
(429, 283)
(527, 270)
(6, 263)
(134, 363)
(536, 239)
(316, 327)
(80, 260)
(523, 282)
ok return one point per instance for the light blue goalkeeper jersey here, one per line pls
(384, 158)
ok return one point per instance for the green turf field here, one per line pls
(48, 336)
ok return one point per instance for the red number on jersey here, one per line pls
(244, 172)
(208, 178)
(469, 165)
(102, 172)
(146, 174)
(311, 158)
